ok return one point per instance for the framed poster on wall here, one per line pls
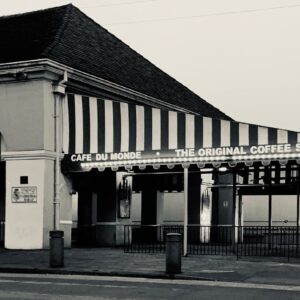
(22, 194)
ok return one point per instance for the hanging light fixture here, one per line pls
(223, 169)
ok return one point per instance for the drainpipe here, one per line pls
(56, 236)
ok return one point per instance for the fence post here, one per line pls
(288, 241)
(298, 212)
(173, 253)
(270, 210)
(185, 225)
(124, 238)
(237, 243)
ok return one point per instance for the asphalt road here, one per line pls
(27, 286)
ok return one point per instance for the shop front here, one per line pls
(136, 167)
(101, 144)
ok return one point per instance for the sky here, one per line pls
(241, 56)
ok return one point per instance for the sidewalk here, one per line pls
(112, 261)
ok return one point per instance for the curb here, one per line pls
(99, 273)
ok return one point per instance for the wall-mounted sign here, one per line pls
(230, 153)
(23, 194)
(182, 153)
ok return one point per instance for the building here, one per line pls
(126, 134)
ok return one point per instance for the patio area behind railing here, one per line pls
(217, 240)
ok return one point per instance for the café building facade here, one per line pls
(91, 128)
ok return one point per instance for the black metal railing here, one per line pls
(217, 240)
(148, 238)
(269, 241)
(210, 240)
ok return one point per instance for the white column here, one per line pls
(205, 207)
(24, 214)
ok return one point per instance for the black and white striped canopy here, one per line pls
(101, 133)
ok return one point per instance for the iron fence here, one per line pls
(217, 240)
(148, 238)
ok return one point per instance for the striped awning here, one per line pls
(103, 133)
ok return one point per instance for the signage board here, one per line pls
(240, 153)
(22, 194)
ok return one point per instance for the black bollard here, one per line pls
(173, 253)
(56, 249)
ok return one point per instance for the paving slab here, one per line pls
(113, 261)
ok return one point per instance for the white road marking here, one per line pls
(224, 284)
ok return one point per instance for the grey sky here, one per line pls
(241, 56)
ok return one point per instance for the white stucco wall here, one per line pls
(48, 195)
(136, 207)
(26, 115)
(170, 208)
(27, 127)
(65, 209)
(283, 209)
(173, 207)
(24, 221)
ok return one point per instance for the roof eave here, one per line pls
(86, 78)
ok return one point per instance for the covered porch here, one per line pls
(131, 164)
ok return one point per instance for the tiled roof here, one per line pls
(66, 35)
